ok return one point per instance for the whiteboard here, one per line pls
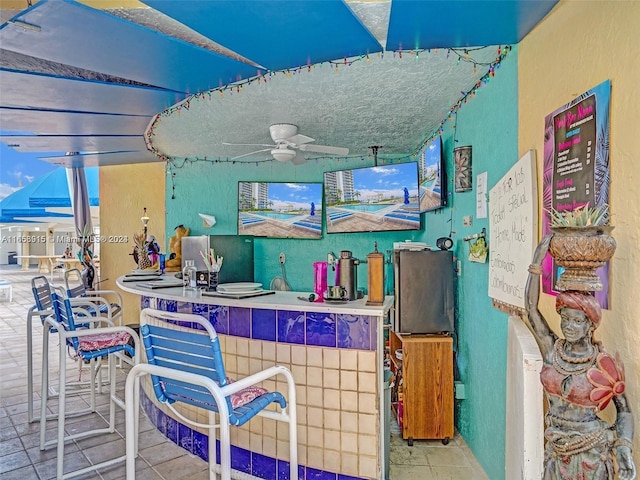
(513, 230)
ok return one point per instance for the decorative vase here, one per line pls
(580, 251)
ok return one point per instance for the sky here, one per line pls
(391, 180)
(18, 169)
(295, 194)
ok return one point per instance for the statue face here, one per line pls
(574, 324)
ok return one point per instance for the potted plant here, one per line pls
(581, 243)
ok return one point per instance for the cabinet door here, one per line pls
(428, 387)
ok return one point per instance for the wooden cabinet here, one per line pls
(422, 395)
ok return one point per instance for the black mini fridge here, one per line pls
(423, 289)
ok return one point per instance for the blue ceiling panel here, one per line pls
(445, 23)
(103, 159)
(276, 34)
(67, 32)
(36, 90)
(49, 122)
(73, 143)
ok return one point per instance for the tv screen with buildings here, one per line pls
(280, 210)
(372, 199)
(431, 172)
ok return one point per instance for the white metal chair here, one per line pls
(7, 289)
(56, 267)
(87, 344)
(42, 291)
(186, 366)
(108, 299)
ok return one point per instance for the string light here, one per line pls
(460, 54)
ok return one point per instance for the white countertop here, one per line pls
(277, 301)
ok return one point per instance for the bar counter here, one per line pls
(335, 352)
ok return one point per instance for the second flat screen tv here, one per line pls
(372, 199)
(280, 210)
(433, 178)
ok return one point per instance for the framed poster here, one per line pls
(462, 162)
(513, 230)
(576, 167)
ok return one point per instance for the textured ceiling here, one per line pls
(388, 101)
(89, 77)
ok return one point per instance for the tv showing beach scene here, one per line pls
(372, 199)
(432, 177)
(280, 210)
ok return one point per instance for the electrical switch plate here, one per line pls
(459, 265)
(467, 220)
(460, 392)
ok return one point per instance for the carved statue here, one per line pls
(174, 262)
(580, 379)
(85, 255)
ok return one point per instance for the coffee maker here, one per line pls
(347, 276)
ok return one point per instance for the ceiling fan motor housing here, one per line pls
(282, 131)
(283, 154)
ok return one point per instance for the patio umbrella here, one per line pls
(82, 219)
(17, 208)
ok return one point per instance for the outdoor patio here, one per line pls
(159, 459)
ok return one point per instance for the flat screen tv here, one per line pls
(372, 199)
(432, 176)
(280, 210)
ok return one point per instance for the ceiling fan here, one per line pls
(288, 144)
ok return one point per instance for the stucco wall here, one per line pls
(489, 123)
(578, 46)
(125, 190)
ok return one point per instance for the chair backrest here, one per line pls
(74, 284)
(196, 351)
(42, 294)
(64, 316)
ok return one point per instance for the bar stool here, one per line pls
(111, 300)
(186, 366)
(42, 291)
(87, 344)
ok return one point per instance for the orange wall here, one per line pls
(125, 190)
(578, 46)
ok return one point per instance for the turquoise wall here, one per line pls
(212, 189)
(488, 122)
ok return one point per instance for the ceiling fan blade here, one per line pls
(250, 144)
(251, 153)
(324, 149)
(300, 139)
(298, 159)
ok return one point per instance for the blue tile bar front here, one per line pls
(335, 353)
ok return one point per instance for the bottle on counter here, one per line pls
(189, 276)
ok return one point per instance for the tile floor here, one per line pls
(159, 459)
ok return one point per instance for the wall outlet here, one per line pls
(459, 390)
(467, 220)
(282, 258)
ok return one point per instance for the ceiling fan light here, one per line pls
(283, 154)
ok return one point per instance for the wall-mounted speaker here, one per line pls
(444, 243)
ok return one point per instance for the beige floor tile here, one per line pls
(159, 459)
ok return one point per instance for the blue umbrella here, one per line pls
(41, 200)
(56, 191)
(17, 207)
